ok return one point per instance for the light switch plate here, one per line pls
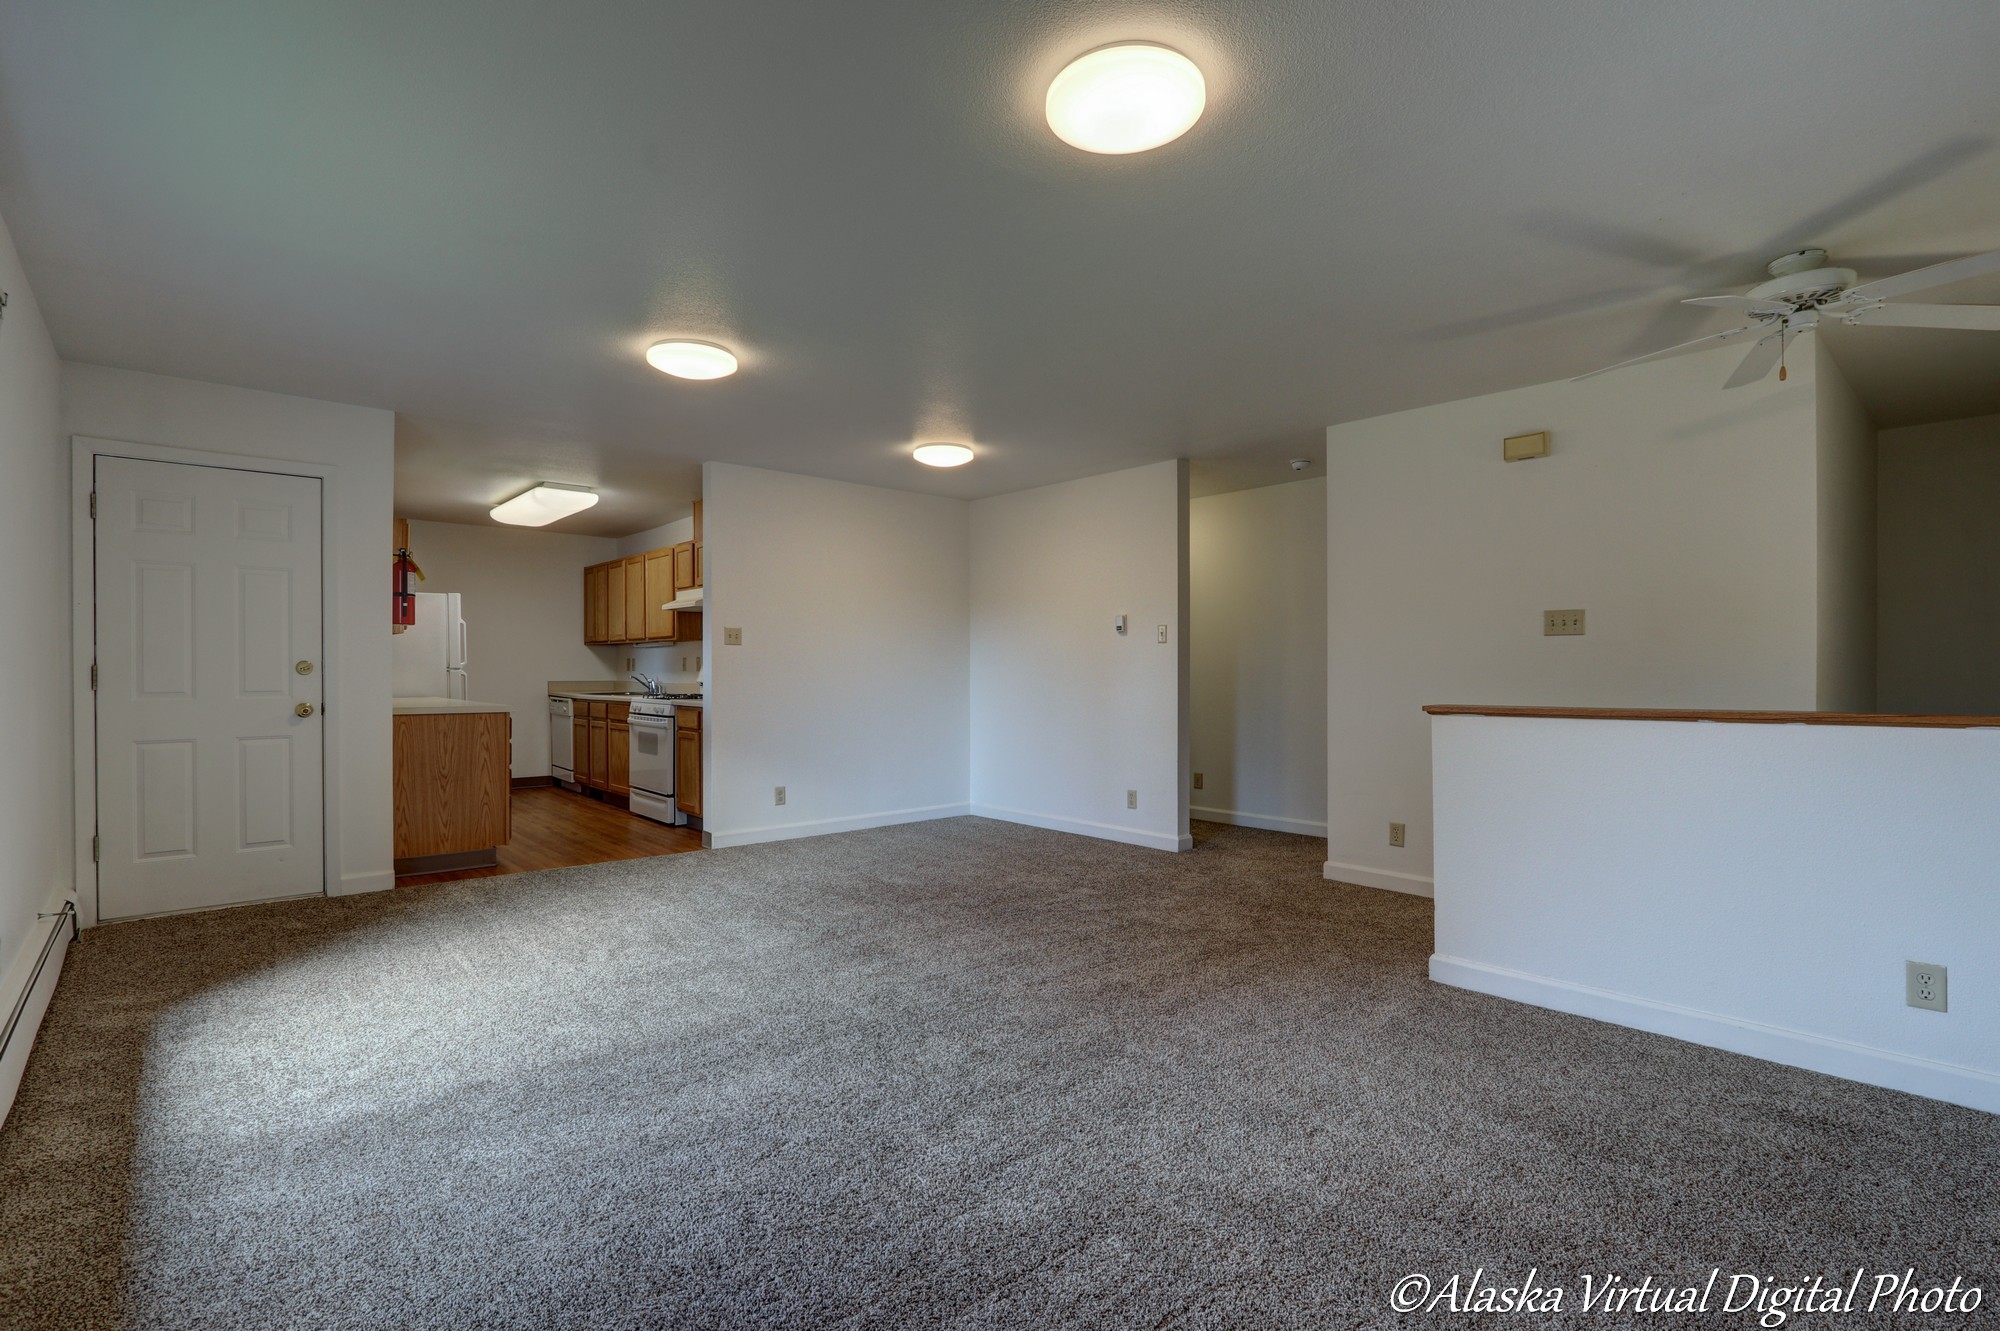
(1562, 623)
(732, 637)
(1160, 634)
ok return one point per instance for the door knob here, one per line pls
(303, 709)
(304, 667)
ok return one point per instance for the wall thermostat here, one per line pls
(1517, 447)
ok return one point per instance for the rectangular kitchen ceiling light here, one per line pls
(544, 504)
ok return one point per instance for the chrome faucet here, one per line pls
(652, 686)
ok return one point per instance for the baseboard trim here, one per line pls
(1874, 1066)
(353, 884)
(1416, 885)
(532, 782)
(751, 836)
(1268, 822)
(1131, 836)
(31, 982)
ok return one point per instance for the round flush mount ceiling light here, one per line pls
(691, 360)
(942, 455)
(1126, 98)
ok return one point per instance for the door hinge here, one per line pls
(93, 676)
(93, 848)
(93, 505)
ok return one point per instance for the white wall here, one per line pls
(1066, 714)
(1257, 656)
(850, 686)
(1939, 507)
(1752, 887)
(358, 443)
(36, 868)
(1846, 541)
(523, 607)
(677, 663)
(1681, 517)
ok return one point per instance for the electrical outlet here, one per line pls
(631, 664)
(1924, 985)
(732, 637)
(1197, 780)
(1562, 623)
(777, 794)
(1160, 633)
(1131, 799)
(1396, 834)
(684, 665)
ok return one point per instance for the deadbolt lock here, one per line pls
(303, 709)
(304, 667)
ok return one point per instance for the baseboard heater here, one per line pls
(13, 1052)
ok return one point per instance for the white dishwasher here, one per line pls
(562, 740)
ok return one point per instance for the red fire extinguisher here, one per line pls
(403, 608)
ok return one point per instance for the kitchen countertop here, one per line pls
(442, 706)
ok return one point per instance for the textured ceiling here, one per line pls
(479, 214)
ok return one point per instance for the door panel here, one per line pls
(208, 596)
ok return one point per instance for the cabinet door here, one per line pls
(600, 752)
(619, 744)
(687, 770)
(579, 758)
(614, 604)
(697, 564)
(683, 566)
(659, 590)
(635, 600)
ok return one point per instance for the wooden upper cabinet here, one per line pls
(659, 590)
(622, 598)
(614, 601)
(635, 599)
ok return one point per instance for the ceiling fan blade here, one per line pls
(1978, 317)
(1923, 278)
(1744, 304)
(1713, 339)
(1758, 363)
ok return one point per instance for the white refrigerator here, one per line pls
(429, 656)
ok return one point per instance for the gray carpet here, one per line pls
(959, 1074)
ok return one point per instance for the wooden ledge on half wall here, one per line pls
(1914, 720)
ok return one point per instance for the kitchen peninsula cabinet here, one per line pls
(452, 784)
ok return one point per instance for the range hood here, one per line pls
(689, 599)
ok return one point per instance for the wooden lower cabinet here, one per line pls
(687, 760)
(619, 777)
(603, 746)
(453, 789)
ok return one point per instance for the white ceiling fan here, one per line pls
(1804, 291)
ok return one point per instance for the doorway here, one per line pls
(209, 680)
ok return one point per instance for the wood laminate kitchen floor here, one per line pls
(555, 829)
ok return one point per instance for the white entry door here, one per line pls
(208, 687)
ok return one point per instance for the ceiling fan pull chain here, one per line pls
(1781, 355)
